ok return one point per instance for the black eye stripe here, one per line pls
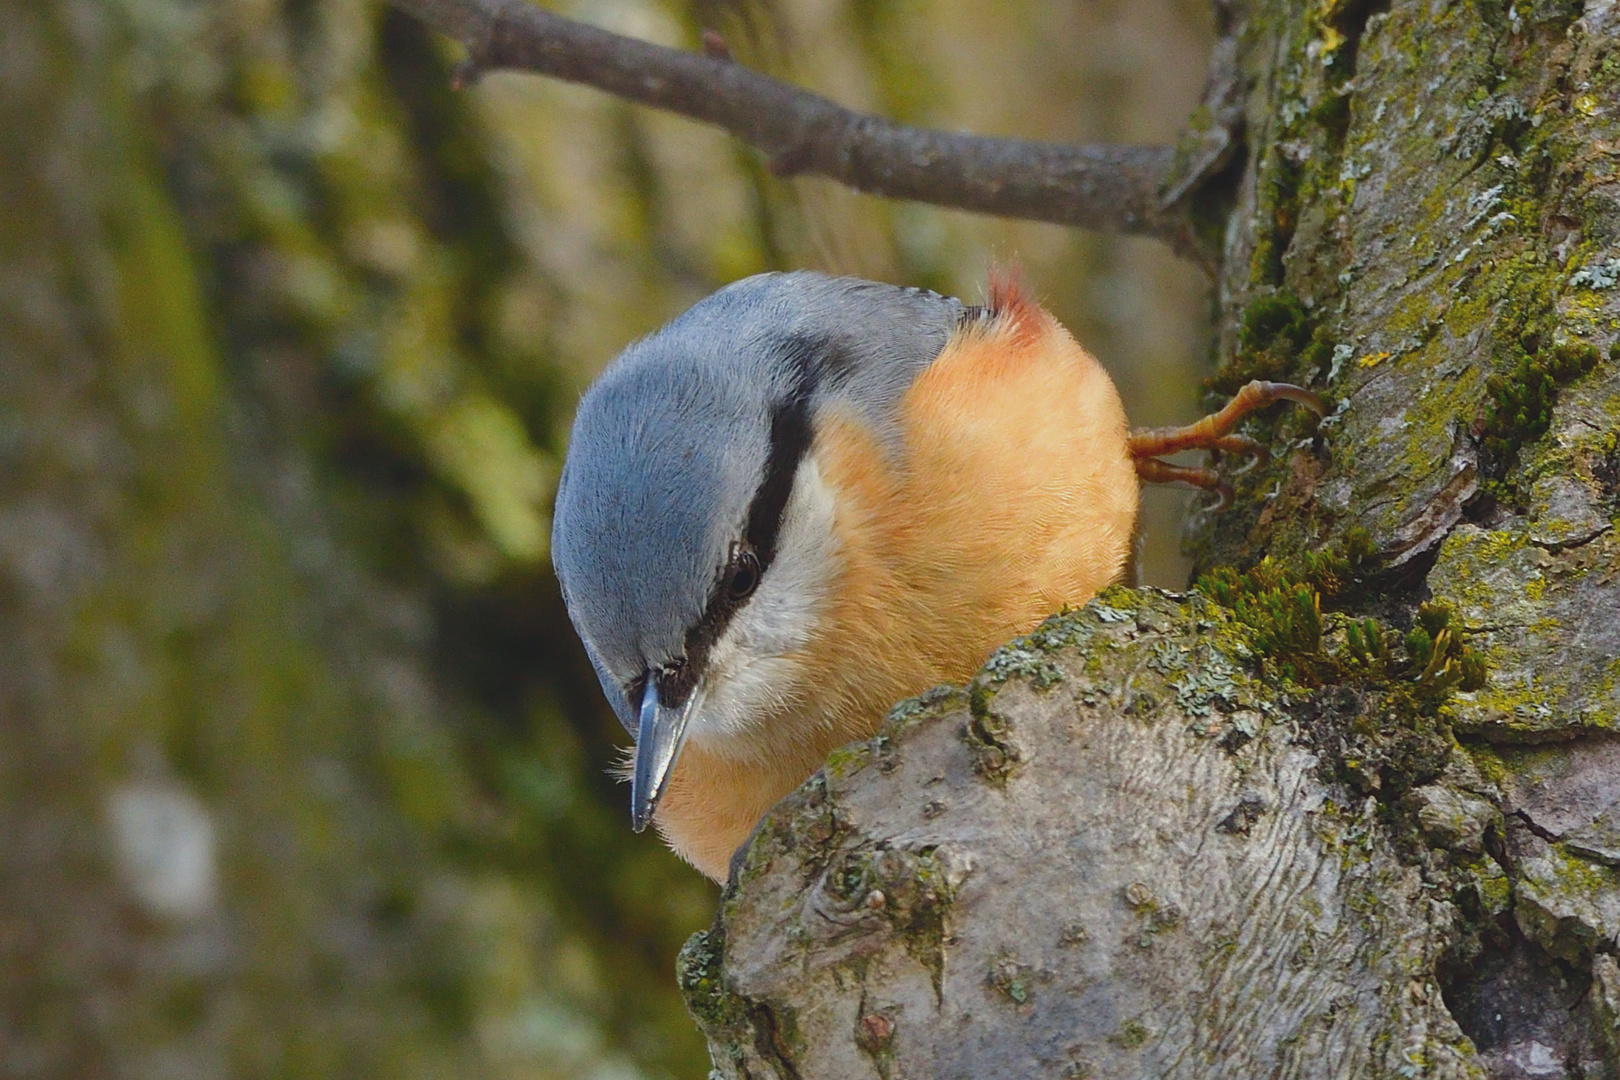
(790, 442)
(790, 438)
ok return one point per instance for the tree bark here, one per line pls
(1281, 826)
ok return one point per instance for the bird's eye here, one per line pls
(742, 575)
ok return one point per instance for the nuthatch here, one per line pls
(808, 498)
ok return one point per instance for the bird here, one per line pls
(810, 497)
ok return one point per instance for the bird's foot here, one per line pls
(1213, 432)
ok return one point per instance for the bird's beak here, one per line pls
(658, 742)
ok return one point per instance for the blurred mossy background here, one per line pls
(302, 773)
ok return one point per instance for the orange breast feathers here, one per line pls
(1014, 494)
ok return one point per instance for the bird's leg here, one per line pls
(1154, 471)
(1213, 432)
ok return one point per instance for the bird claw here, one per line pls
(1256, 452)
(1213, 432)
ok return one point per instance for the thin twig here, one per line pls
(1106, 187)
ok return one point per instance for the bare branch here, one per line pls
(1106, 187)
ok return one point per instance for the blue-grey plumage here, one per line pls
(682, 458)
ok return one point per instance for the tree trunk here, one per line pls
(1352, 812)
(249, 386)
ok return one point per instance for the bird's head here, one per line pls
(693, 535)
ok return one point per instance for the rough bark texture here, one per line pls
(1282, 826)
(1081, 865)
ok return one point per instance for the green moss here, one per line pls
(1277, 338)
(1519, 401)
(1582, 875)
(1271, 332)
(847, 760)
(1280, 606)
(697, 973)
(1132, 1034)
(1278, 217)
(1435, 651)
(1492, 576)
(986, 735)
(1494, 889)
(1272, 319)
(1286, 624)
(1488, 760)
(1332, 114)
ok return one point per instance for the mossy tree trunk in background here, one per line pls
(271, 473)
(1350, 811)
